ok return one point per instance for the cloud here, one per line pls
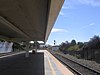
(90, 2)
(68, 7)
(61, 13)
(65, 7)
(68, 4)
(91, 24)
(58, 30)
(72, 3)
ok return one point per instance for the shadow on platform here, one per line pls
(19, 65)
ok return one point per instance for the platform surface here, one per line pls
(53, 66)
(41, 63)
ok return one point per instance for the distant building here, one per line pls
(55, 48)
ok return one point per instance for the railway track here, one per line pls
(77, 68)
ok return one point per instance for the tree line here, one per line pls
(86, 50)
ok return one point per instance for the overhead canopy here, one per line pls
(28, 19)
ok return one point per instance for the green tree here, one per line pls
(81, 44)
(75, 47)
(73, 42)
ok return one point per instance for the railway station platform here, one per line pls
(41, 63)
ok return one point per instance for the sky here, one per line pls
(78, 20)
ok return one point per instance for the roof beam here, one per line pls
(55, 7)
(8, 24)
(4, 37)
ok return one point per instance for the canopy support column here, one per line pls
(27, 50)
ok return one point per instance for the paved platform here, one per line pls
(19, 65)
(41, 63)
(53, 66)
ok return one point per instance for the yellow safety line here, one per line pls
(53, 72)
(60, 66)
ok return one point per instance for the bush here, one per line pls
(75, 47)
